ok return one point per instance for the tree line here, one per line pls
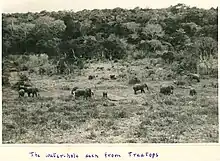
(191, 33)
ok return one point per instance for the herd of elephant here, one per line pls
(87, 92)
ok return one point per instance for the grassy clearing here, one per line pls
(56, 117)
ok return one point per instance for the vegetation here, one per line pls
(115, 33)
(56, 51)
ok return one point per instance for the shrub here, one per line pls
(134, 80)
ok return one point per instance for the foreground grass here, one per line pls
(142, 118)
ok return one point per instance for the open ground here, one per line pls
(57, 117)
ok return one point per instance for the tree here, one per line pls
(115, 47)
(206, 47)
(191, 28)
(180, 39)
(47, 34)
(152, 31)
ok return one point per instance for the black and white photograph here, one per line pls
(82, 72)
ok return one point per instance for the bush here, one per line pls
(138, 55)
(134, 80)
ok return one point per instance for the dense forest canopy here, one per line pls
(114, 33)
